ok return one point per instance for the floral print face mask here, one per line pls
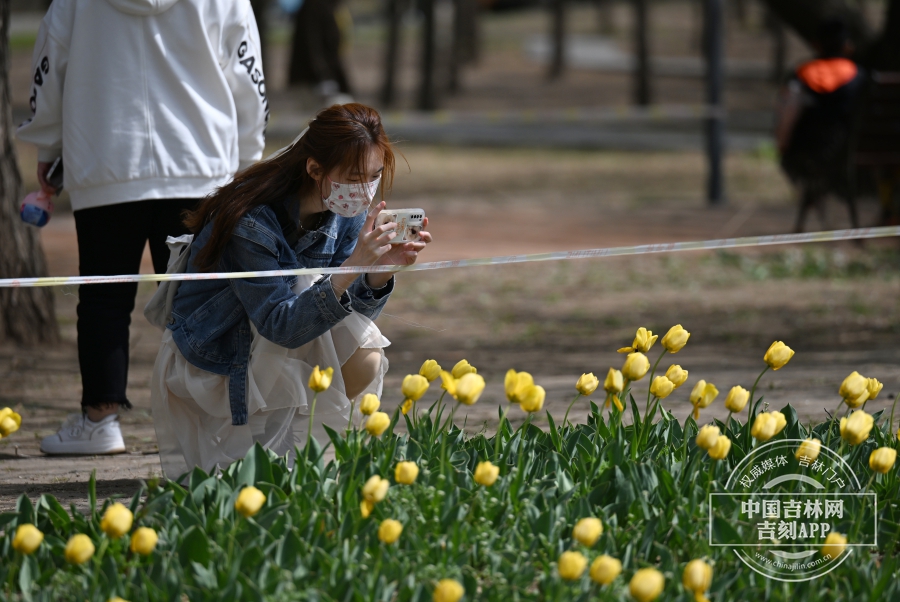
(350, 200)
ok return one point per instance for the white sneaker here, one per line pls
(81, 436)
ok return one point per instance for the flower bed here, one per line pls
(601, 510)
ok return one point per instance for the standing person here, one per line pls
(234, 364)
(320, 41)
(152, 104)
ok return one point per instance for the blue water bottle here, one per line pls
(36, 209)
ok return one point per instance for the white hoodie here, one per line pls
(147, 99)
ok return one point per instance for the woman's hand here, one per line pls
(371, 246)
(406, 253)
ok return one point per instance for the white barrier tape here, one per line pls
(669, 247)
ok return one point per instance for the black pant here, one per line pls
(111, 241)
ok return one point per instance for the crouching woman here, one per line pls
(235, 361)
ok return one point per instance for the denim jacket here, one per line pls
(211, 318)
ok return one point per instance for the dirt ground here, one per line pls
(835, 304)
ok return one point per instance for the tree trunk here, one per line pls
(427, 94)
(641, 55)
(391, 50)
(27, 315)
(558, 35)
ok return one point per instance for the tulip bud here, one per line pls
(614, 382)
(406, 473)
(369, 404)
(636, 366)
(853, 385)
(389, 531)
(486, 474)
(808, 450)
(643, 340)
(856, 428)
(378, 423)
(533, 399)
(697, 576)
(702, 395)
(320, 380)
(414, 386)
(469, 388)
(587, 384)
(571, 565)
(8, 426)
(431, 370)
(27, 539)
(780, 421)
(117, 599)
(116, 521)
(677, 375)
(249, 501)
(874, 387)
(736, 399)
(707, 436)
(143, 541)
(778, 355)
(9, 413)
(375, 489)
(605, 569)
(462, 368)
(448, 383)
(79, 549)
(587, 531)
(448, 590)
(764, 427)
(515, 384)
(365, 508)
(675, 339)
(407, 406)
(661, 387)
(719, 451)
(882, 459)
(646, 585)
(835, 544)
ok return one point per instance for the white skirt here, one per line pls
(192, 413)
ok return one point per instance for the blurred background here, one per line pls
(546, 125)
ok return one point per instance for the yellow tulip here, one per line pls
(448, 383)
(79, 549)
(9, 413)
(643, 341)
(707, 436)
(636, 366)
(587, 384)
(835, 544)
(587, 531)
(448, 590)
(605, 569)
(571, 565)
(462, 368)
(389, 531)
(406, 473)
(661, 387)
(533, 399)
(320, 380)
(431, 370)
(882, 459)
(736, 399)
(646, 585)
(407, 406)
(116, 521)
(765, 426)
(702, 395)
(375, 489)
(614, 382)
(853, 386)
(778, 355)
(414, 386)
(378, 423)
(808, 450)
(117, 599)
(9, 423)
(697, 576)
(874, 386)
(780, 421)
(677, 375)
(719, 450)
(469, 388)
(365, 508)
(515, 384)
(856, 428)
(143, 541)
(486, 474)
(27, 539)
(369, 404)
(675, 339)
(249, 501)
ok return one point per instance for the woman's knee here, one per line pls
(360, 370)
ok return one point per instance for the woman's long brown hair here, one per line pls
(340, 137)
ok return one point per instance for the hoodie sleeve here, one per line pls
(244, 73)
(48, 77)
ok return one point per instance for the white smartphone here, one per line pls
(409, 223)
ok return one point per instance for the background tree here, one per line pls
(27, 315)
